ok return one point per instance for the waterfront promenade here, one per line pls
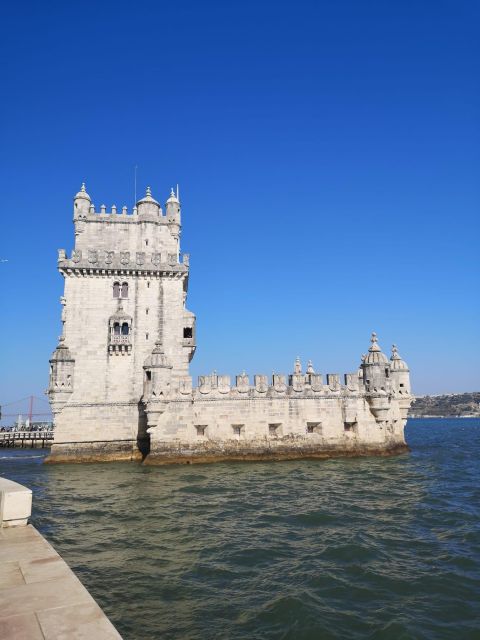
(41, 598)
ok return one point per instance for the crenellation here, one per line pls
(119, 381)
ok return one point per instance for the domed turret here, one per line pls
(81, 203)
(400, 374)
(172, 206)
(156, 384)
(60, 384)
(148, 205)
(396, 362)
(375, 355)
(376, 368)
(376, 378)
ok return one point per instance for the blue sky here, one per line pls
(327, 155)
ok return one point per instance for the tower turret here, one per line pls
(148, 206)
(172, 211)
(376, 378)
(376, 368)
(60, 385)
(81, 204)
(172, 206)
(156, 384)
(400, 376)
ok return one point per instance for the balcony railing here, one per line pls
(120, 339)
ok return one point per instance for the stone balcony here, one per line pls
(120, 344)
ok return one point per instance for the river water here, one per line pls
(345, 548)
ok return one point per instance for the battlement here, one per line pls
(146, 209)
(277, 385)
(116, 214)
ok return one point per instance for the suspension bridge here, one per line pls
(25, 413)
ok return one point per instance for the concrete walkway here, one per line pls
(40, 596)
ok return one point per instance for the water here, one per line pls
(355, 548)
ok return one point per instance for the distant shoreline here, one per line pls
(414, 417)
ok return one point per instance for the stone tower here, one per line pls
(127, 337)
(119, 379)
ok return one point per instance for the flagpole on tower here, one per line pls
(135, 187)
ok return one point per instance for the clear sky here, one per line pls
(328, 161)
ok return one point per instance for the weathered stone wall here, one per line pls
(272, 424)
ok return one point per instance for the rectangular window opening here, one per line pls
(274, 429)
(188, 332)
(238, 429)
(349, 426)
(201, 429)
(149, 375)
(314, 427)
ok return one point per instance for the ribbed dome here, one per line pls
(62, 352)
(148, 198)
(375, 355)
(173, 198)
(396, 362)
(83, 193)
(157, 359)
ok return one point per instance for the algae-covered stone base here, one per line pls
(185, 454)
(120, 451)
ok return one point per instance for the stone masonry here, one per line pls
(119, 379)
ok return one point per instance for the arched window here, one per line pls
(116, 289)
(125, 290)
(116, 329)
(125, 329)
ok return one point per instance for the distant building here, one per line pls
(119, 379)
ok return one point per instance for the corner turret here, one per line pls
(172, 211)
(376, 378)
(172, 206)
(60, 384)
(81, 204)
(156, 384)
(376, 368)
(400, 376)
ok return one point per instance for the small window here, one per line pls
(146, 243)
(314, 427)
(273, 429)
(188, 332)
(401, 384)
(125, 329)
(387, 373)
(349, 426)
(201, 429)
(146, 312)
(149, 375)
(125, 290)
(237, 430)
(146, 336)
(116, 328)
(116, 289)
(148, 285)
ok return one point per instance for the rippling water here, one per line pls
(355, 548)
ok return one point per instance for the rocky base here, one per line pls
(185, 455)
(111, 451)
